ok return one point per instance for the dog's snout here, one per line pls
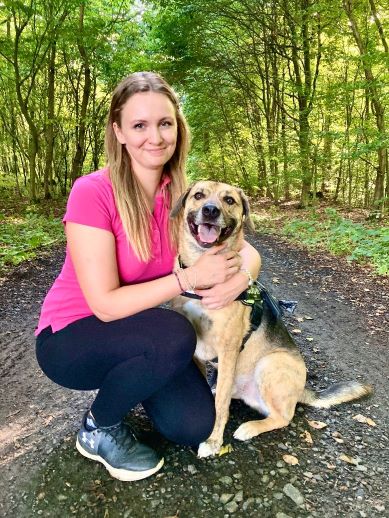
(211, 211)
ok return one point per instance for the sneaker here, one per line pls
(118, 449)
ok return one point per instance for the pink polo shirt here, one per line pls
(91, 202)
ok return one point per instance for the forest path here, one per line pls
(344, 338)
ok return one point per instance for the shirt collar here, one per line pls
(165, 180)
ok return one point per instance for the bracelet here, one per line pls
(191, 286)
(248, 273)
(179, 282)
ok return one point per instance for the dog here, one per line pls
(269, 373)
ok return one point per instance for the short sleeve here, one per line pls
(89, 203)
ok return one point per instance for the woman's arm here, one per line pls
(94, 258)
(223, 294)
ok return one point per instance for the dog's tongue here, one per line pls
(209, 233)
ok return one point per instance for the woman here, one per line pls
(99, 327)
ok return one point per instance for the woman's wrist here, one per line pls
(248, 276)
(186, 278)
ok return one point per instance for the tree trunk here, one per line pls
(48, 174)
(82, 126)
(305, 82)
(377, 105)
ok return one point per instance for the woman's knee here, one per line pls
(190, 430)
(178, 337)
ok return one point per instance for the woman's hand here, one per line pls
(223, 294)
(214, 267)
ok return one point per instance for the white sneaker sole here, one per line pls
(121, 474)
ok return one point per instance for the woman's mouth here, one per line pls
(157, 152)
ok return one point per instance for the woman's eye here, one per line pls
(229, 200)
(199, 195)
(166, 123)
(139, 125)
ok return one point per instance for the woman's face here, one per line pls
(148, 128)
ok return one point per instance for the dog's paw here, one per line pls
(245, 431)
(208, 449)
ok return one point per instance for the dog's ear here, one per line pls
(180, 204)
(246, 211)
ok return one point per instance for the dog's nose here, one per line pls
(211, 211)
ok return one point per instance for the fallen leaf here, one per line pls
(308, 318)
(296, 331)
(225, 449)
(290, 459)
(318, 425)
(307, 437)
(337, 437)
(48, 420)
(309, 338)
(330, 466)
(349, 460)
(300, 319)
(275, 280)
(366, 420)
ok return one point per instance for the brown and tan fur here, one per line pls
(269, 374)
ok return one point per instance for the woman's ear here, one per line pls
(118, 133)
(180, 204)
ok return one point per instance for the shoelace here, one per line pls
(122, 436)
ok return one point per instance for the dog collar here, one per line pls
(243, 297)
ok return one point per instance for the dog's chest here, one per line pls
(215, 328)
(203, 324)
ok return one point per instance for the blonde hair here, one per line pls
(129, 196)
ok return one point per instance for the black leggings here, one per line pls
(145, 358)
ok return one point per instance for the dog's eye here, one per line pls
(229, 200)
(199, 195)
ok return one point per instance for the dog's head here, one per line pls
(213, 212)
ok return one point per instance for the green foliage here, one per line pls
(342, 236)
(22, 237)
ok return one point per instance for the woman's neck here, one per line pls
(149, 181)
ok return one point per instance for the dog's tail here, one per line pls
(335, 394)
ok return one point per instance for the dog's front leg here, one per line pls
(226, 372)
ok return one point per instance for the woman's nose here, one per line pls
(155, 135)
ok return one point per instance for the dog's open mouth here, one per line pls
(208, 234)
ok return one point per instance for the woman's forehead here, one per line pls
(146, 105)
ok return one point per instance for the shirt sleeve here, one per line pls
(89, 204)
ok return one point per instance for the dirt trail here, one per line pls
(345, 337)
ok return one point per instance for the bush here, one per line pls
(22, 236)
(342, 236)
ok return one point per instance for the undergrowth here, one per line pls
(330, 231)
(23, 235)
